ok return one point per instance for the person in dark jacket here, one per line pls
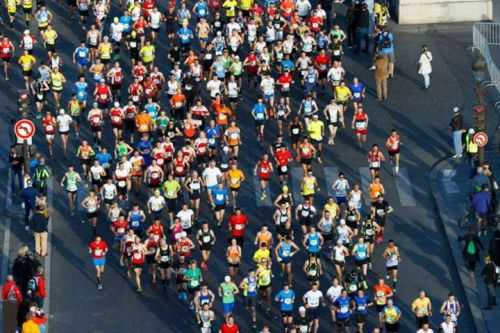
(363, 29)
(24, 268)
(457, 130)
(472, 248)
(39, 225)
(494, 248)
(28, 194)
(481, 201)
(489, 275)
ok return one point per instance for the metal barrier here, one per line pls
(484, 35)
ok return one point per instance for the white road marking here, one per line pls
(331, 174)
(404, 188)
(296, 175)
(364, 172)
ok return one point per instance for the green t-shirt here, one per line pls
(228, 290)
(193, 276)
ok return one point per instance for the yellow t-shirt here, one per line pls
(420, 306)
(50, 36)
(147, 53)
(26, 61)
(230, 6)
(57, 80)
(308, 186)
(246, 4)
(105, 51)
(315, 129)
(342, 94)
(333, 208)
(235, 177)
(261, 255)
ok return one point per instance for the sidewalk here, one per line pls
(450, 182)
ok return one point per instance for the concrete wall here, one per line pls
(441, 11)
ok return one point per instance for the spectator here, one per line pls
(472, 248)
(37, 287)
(425, 66)
(24, 268)
(494, 248)
(28, 195)
(471, 148)
(481, 201)
(39, 225)
(363, 28)
(16, 165)
(381, 66)
(385, 46)
(457, 129)
(12, 299)
(489, 275)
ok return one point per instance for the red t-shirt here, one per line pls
(283, 156)
(238, 225)
(225, 328)
(98, 249)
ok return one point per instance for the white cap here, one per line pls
(342, 221)
(26, 32)
(116, 104)
(227, 279)
(456, 109)
(302, 309)
(61, 111)
(471, 131)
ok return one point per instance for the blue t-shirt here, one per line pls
(80, 89)
(201, 9)
(126, 21)
(357, 90)
(287, 64)
(145, 147)
(361, 304)
(259, 111)
(286, 300)
(104, 158)
(313, 243)
(343, 304)
(136, 221)
(82, 56)
(219, 196)
(185, 35)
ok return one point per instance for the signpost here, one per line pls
(25, 130)
(480, 139)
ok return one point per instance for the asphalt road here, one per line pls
(420, 116)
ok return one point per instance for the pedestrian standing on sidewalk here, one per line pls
(16, 165)
(12, 299)
(457, 129)
(28, 194)
(381, 74)
(472, 248)
(489, 275)
(425, 66)
(39, 225)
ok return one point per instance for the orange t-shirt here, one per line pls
(375, 190)
(223, 115)
(143, 122)
(178, 100)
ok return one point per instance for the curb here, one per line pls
(442, 27)
(468, 282)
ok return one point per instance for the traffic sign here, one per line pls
(24, 129)
(480, 139)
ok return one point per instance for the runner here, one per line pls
(70, 183)
(393, 144)
(98, 250)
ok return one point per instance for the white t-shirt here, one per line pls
(109, 191)
(211, 176)
(334, 292)
(313, 298)
(267, 86)
(448, 327)
(64, 121)
(186, 217)
(430, 330)
(156, 203)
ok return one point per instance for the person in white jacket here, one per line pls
(425, 66)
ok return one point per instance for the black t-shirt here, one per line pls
(16, 161)
(380, 207)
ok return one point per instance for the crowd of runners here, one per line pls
(150, 129)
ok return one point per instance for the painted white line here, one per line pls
(404, 188)
(364, 172)
(450, 186)
(267, 201)
(331, 174)
(48, 259)
(296, 175)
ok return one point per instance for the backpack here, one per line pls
(471, 248)
(385, 41)
(32, 286)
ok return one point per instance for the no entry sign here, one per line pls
(24, 129)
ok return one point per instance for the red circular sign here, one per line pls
(480, 139)
(24, 129)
